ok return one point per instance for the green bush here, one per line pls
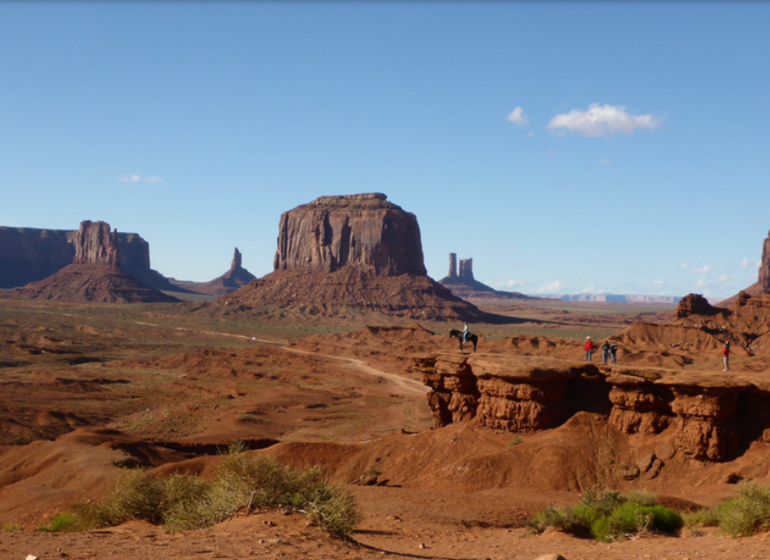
(609, 516)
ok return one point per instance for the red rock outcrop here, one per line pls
(28, 255)
(94, 274)
(709, 416)
(233, 279)
(365, 230)
(465, 286)
(695, 304)
(96, 244)
(353, 257)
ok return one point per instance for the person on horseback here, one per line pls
(465, 333)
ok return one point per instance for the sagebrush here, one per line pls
(240, 483)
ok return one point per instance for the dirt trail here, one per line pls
(407, 386)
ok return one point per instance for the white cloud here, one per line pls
(589, 290)
(702, 270)
(512, 284)
(130, 179)
(133, 178)
(553, 287)
(683, 266)
(746, 263)
(702, 283)
(602, 120)
(725, 277)
(659, 283)
(518, 117)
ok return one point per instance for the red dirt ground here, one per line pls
(88, 389)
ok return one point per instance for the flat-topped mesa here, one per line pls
(364, 230)
(96, 244)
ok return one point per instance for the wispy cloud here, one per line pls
(518, 117)
(602, 120)
(605, 162)
(553, 287)
(746, 263)
(702, 270)
(139, 179)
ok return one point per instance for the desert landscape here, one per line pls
(341, 359)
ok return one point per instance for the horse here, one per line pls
(459, 336)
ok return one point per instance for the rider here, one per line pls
(465, 333)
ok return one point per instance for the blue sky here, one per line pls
(566, 147)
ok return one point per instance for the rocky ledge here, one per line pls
(711, 416)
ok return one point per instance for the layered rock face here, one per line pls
(709, 416)
(29, 254)
(365, 230)
(96, 244)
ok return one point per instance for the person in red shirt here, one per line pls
(726, 356)
(589, 348)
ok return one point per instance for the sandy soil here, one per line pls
(87, 390)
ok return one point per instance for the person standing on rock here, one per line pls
(605, 352)
(613, 353)
(589, 348)
(726, 356)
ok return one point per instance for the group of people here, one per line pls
(609, 351)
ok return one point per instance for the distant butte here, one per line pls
(351, 255)
(465, 286)
(94, 275)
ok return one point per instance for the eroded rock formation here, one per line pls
(29, 254)
(233, 279)
(96, 244)
(710, 416)
(365, 230)
(465, 286)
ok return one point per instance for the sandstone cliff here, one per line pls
(28, 254)
(708, 416)
(366, 231)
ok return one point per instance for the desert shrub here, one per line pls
(747, 513)
(706, 517)
(182, 502)
(332, 509)
(609, 516)
(60, 522)
(632, 518)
